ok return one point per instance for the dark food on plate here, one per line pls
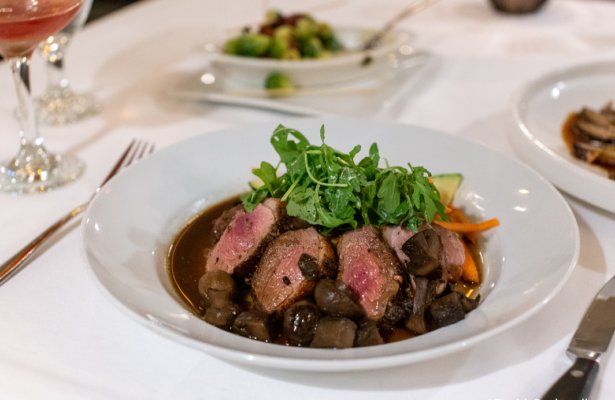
(332, 253)
(590, 136)
(290, 37)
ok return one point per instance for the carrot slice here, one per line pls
(456, 215)
(466, 227)
(470, 271)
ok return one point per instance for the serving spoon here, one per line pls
(414, 8)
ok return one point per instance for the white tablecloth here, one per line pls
(62, 339)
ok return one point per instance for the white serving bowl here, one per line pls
(130, 225)
(342, 67)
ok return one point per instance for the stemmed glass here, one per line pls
(23, 24)
(59, 103)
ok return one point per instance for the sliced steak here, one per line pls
(222, 222)
(290, 268)
(368, 266)
(433, 251)
(453, 254)
(395, 237)
(245, 237)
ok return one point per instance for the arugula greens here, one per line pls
(328, 188)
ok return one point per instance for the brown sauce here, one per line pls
(187, 255)
(567, 135)
(187, 258)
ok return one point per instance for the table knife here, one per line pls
(589, 341)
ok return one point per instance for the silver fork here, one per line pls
(136, 150)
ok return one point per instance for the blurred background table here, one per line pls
(63, 339)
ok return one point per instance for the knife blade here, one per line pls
(590, 340)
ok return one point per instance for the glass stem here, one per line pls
(55, 73)
(20, 68)
(54, 52)
(32, 162)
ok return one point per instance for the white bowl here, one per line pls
(342, 67)
(129, 226)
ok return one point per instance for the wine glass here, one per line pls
(59, 104)
(23, 24)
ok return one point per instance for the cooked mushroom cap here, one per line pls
(253, 325)
(335, 299)
(299, 322)
(333, 332)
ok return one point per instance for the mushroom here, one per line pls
(423, 250)
(335, 299)
(253, 325)
(299, 322)
(333, 332)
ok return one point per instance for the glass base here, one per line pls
(61, 106)
(59, 171)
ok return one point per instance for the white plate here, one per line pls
(539, 111)
(371, 96)
(345, 66)
(129, 226)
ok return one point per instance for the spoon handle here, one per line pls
(412, 9)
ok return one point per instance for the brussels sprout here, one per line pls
(230, 47)
(311, 48)
(305, 27)
(332, 44)
(283, 32)
(325, 32)
(328, 38)
(290, 37)
(277, 80)
(278, 48)
(252, 45)
(273, 17)
(292, 54)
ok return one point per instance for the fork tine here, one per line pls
(135, 153)
(136, 150)
(142, 149)
(119, 162)
(151, 148)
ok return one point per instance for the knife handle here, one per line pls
(576, 383)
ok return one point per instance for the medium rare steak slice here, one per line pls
(432, 251)
(369, 268)
(453, 255)
(222, 222)
(245, 237)
(290, 268)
